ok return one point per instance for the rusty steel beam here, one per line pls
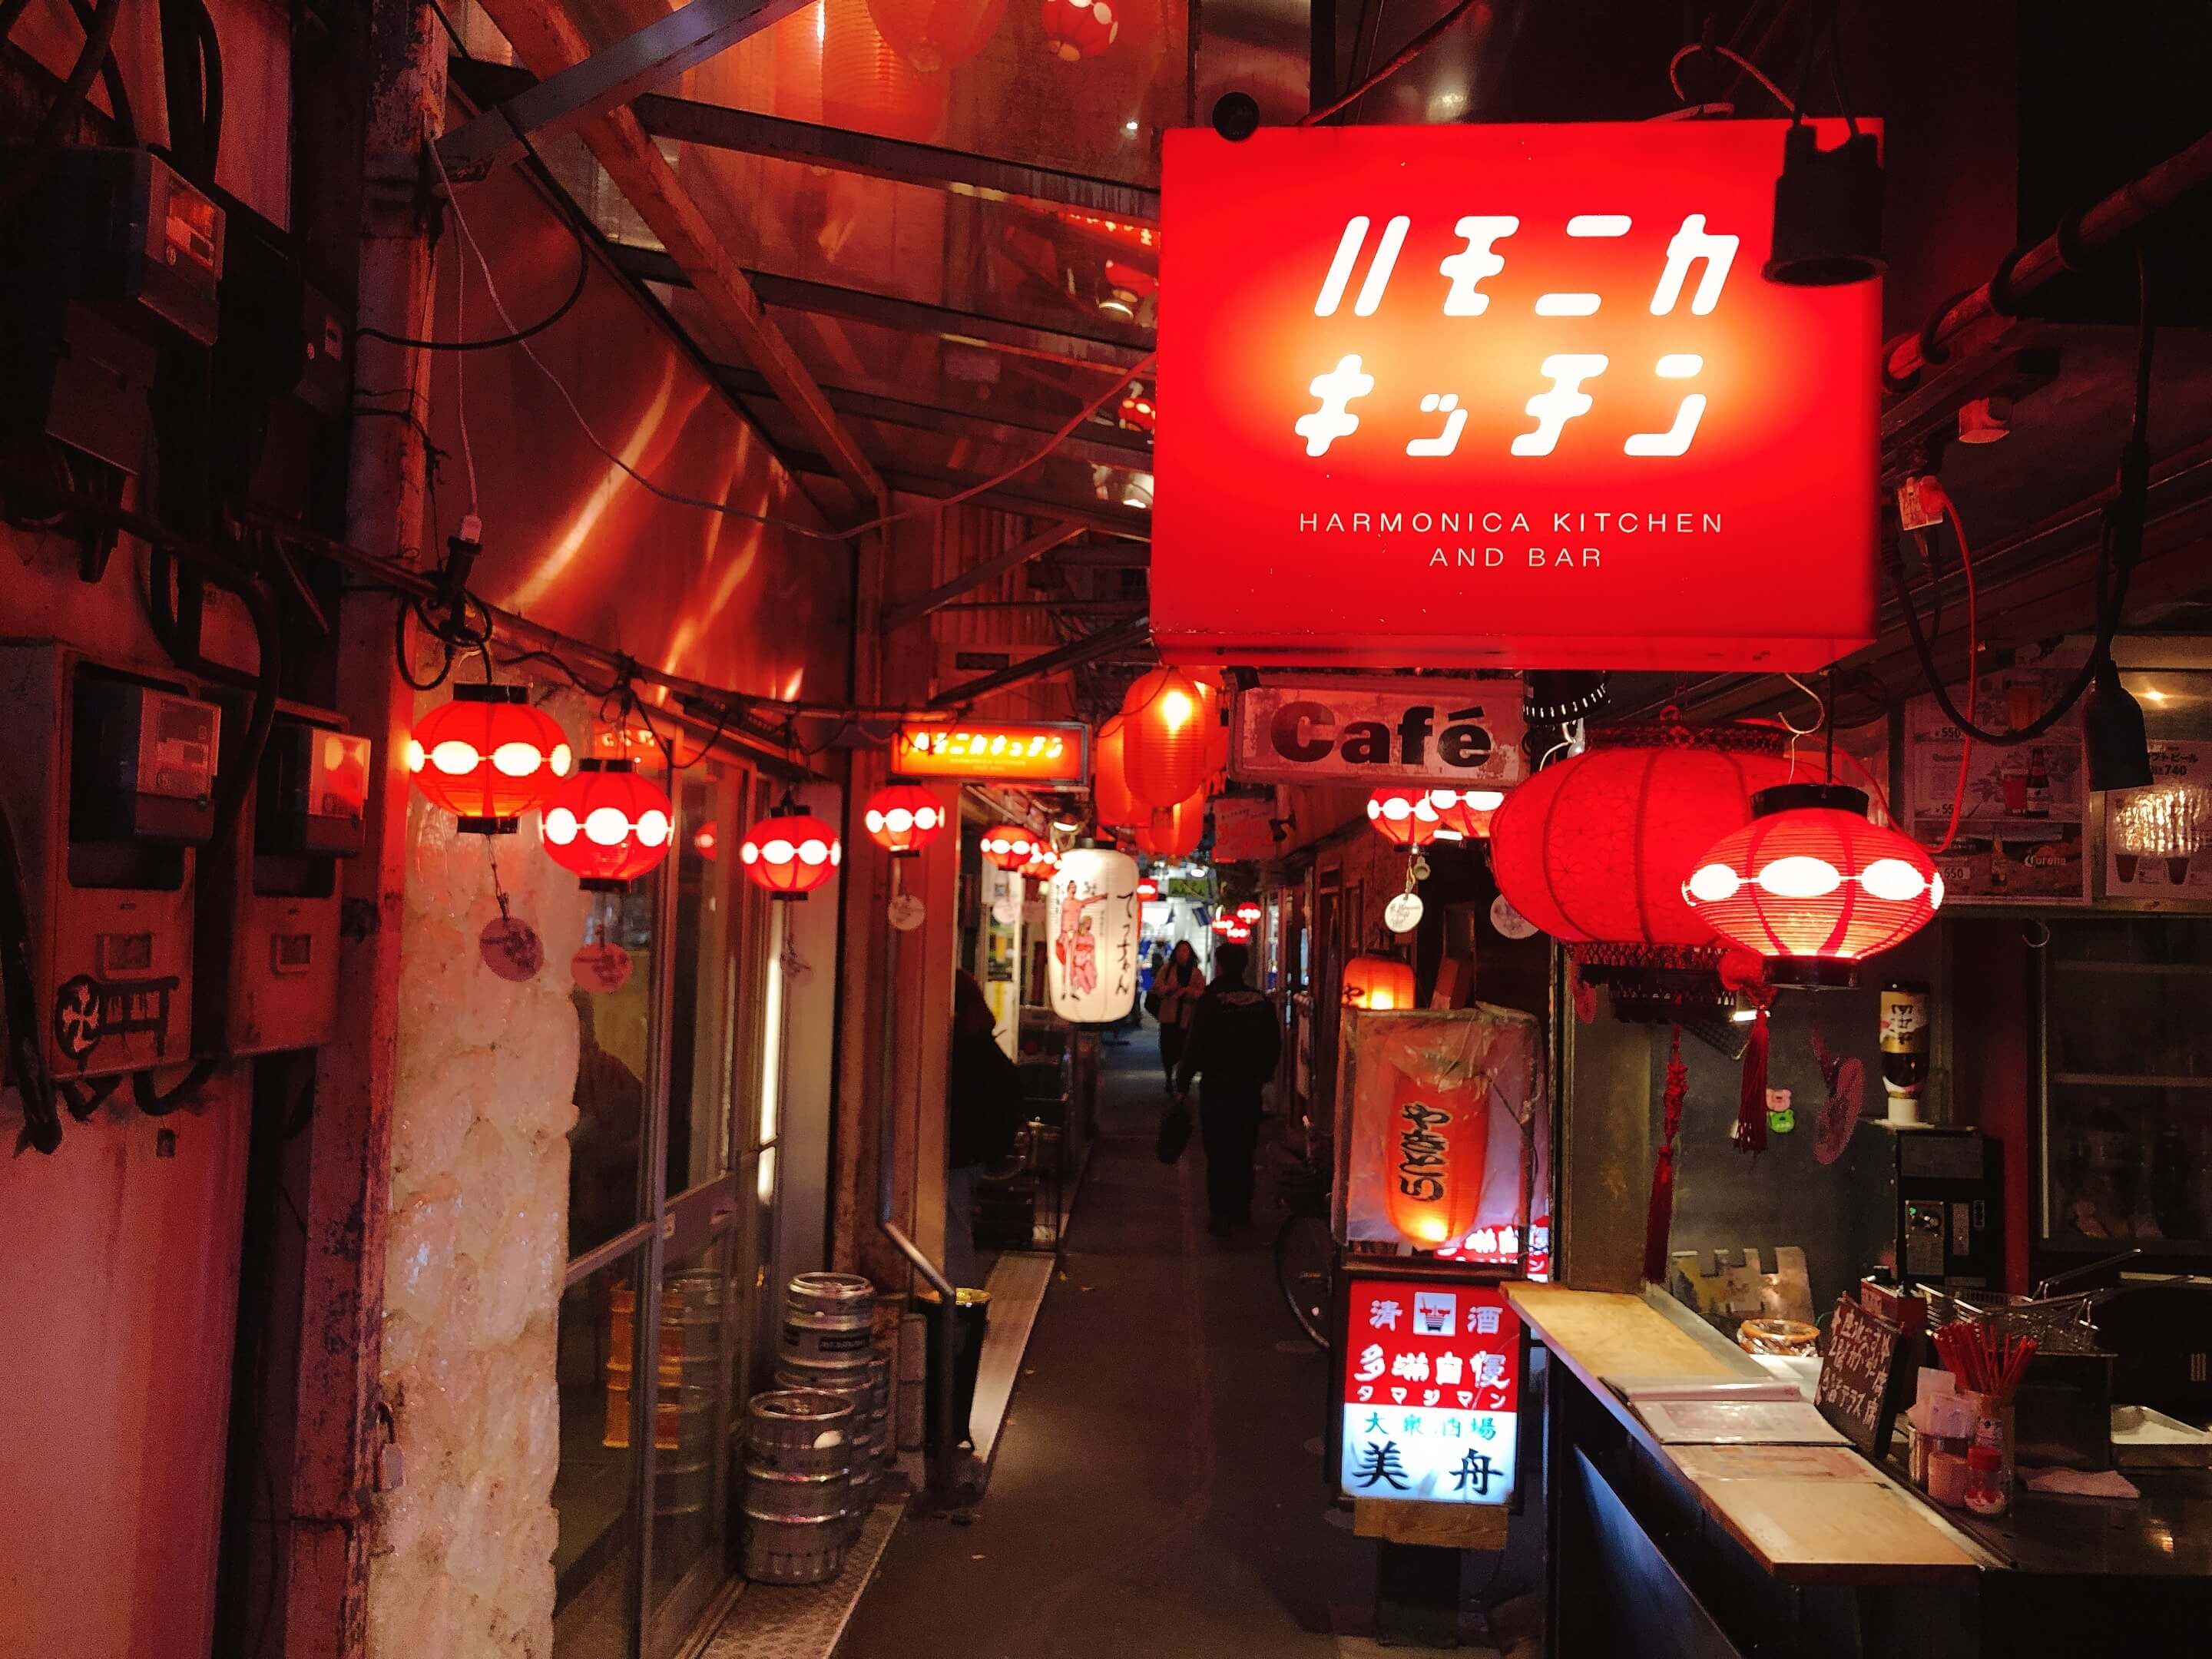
(1076, 652)
(548, 42)
(976, 575)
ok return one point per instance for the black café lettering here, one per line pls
(1304, 731)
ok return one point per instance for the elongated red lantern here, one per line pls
(1467, 811)
(1110, 800)
(1164, 737)
(607, 825)
(488, 756)
(1403, 816)
(1812, 886)
(904, 819)
(1010, 846)
(937, 34)
(1378, 982)
(1439, 1148)
(790, 852)
(1174, 834)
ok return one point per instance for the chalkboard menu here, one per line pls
(1861, 1377)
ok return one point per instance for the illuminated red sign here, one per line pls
(1505, 395)
(1054, 752)
(1430, 1410)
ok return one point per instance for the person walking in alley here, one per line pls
(984, 1110)
(1234, 1042)
(1180, 985)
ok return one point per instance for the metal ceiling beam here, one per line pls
(1076, 652)
(1104, 350)
(717, 127)
(549, 41)
(1125, 556)
(976, 575)
(604, 81)
(1094, 441)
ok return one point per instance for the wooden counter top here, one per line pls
(1808, 1515)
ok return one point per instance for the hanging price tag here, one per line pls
(907, 913)
(511, 948)
(1403, 914)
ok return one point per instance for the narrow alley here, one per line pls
(1159, 1489)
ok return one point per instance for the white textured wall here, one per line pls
(463, 1562)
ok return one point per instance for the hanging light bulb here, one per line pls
(607, 825)
(488, 756)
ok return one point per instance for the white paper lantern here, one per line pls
(1091, 915)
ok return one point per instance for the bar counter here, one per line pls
(1714, 1551)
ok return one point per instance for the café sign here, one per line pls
(1505, 395)
(1368, 731)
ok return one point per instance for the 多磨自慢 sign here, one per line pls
(1464, 733)
(1431, 1392)
(1505, 394)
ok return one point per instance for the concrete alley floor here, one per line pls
(1156, 1493)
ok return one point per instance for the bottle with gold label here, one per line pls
(1904, 1046)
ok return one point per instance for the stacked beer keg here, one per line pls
(798, 1460)
(829, 1345)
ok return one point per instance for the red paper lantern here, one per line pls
(1137, 412)
(790, 852)
(488, 756)
(1403, 815)
(1379, 983)
(1076, 29)
(607, 825)
(1147, 889)
(1438, 1150)
(1164, 742)
(1467, 810)
(937, 34)
(1039, 868)
(708, 838)
(1249, 913)
(869, 87)
(904, 819)
(1595, 850)
(1010, 846)
(1811, 886)
(1115, 807)
(1175, 833)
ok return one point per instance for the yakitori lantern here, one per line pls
(488, 756)
(937, 34)
(1378, 982)
(607, 825)
(1076, 29)
(1811, 886)
(1467, 811)
(1403, 816)
(904, 819)
(1091, 913)
(1174, 834)
(1431, 1110)
(790, 852)
(1110, 800)
(1010, 846)
(1164, 742)
(1595, 849)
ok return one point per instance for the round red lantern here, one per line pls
(1110, 798)
(1164, 742)
(1248, 912)
(488, 756)
(1147, 889)
(1076, 29)
(1041, 866)
(1595, 850)
(904, 819)
(869, 87)
(708, 838)
(607, 825)
(937, 34)
(1173, 833)
(1467, 810)
(1811, 885)
(1378, 982)
(1010, 846)
(1403, 815)
(790, 852)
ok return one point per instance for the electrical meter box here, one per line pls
(108, 775)
(270, 901)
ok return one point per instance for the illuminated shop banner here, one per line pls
(1055, 752)
(1505, 395)
(1453, 732)
(1431, 1392)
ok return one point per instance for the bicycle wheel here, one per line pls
(1305, 1268)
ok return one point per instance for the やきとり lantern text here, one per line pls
(1534, 543)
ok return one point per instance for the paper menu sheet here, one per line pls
(1737, 1421)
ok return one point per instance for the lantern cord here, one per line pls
(1799, 734)
(1406, 54)
(1706, 49)
(1659, 1217)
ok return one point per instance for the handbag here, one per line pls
(1152, 1000)
(1175, 1132)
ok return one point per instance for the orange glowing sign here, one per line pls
(1054, 752)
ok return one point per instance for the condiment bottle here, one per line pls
(1953, 1425)
(1987, 1490)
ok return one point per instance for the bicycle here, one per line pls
(1306, 1247)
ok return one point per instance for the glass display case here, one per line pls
(2127, 1084)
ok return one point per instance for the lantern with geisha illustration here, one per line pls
(1091, 915)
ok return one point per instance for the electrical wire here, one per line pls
(1799, 734)
(1699, 48)
(1406, 54)
(61, 115)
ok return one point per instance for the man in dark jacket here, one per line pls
(985, 1114)
(1234, 1042)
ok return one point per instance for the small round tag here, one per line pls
(1403, 914)
(511, 948)
(907, 913)
(1509, 922)
(601, 969)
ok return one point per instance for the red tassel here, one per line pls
(1751, 1108)
(1659, 1217)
